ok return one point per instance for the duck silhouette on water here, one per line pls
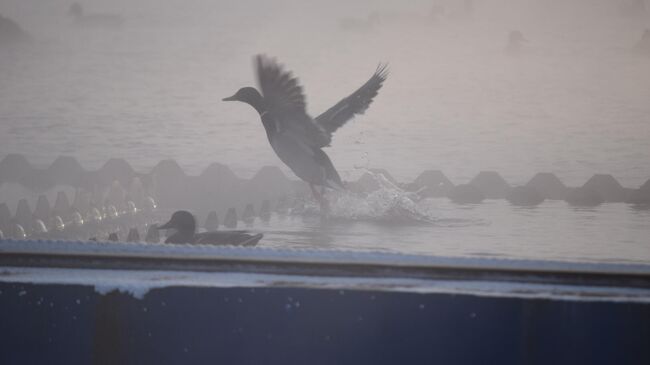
(296, 137)
(185, 225)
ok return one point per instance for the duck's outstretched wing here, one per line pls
(285, 101)
(357, 103)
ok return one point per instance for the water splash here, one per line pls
(386, 204)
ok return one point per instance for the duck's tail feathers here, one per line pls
(253, 240)
(336, 185)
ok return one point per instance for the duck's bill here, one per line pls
(167, 225)
(230, 98)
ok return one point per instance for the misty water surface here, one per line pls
(575, 101)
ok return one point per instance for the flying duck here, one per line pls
(296, 137)
(185, 225)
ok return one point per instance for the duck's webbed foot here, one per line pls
(317, 195)
(320, 198)
(324, 203)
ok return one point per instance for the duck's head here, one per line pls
(248, 95)
(182, 221)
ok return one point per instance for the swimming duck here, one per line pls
(185, 225)
(296, 137)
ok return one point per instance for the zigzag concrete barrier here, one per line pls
(118, 197)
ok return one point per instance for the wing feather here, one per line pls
(285, 101)
(356, 103)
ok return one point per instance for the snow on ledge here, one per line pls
(138, 283)
(261, 254)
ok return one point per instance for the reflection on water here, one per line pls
(392, 220)
(609, 233)
(574, 102)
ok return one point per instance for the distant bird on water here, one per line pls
(95, 20)
(515, 43)
(296, 137)
(185, 225)
(11, 32)
(644, 43)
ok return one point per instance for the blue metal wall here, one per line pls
(68, 324)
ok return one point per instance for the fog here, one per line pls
(493, 200)
(513, 86)
(573, 99)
